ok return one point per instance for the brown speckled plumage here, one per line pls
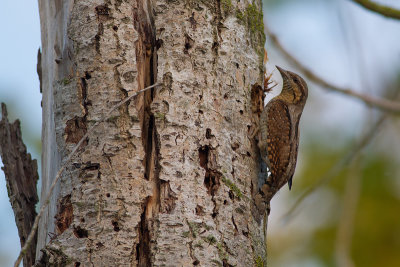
(279, 128)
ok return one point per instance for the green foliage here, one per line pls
(194, 228)
(240, 16)
(252, 17)
(226, 5)
(376, 240)
(66, 81)
(186, 234)
(207, 227)
(159, 115)
(210, 239)
(221, 252)
(258, 261)
(376, 232)
(232, 187)
(199, 244)
(255, 19)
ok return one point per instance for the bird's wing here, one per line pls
(278, 138)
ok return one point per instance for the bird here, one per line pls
(279, 132)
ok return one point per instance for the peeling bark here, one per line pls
(65, 214)
(21, 177)
(169, 179)
(146, 64)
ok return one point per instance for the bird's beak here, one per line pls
(283, 72)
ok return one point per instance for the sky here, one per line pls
(19, 88)
(325, 35)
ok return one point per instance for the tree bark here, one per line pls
(170, 178)
(21, 178)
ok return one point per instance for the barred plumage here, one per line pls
(279, 130)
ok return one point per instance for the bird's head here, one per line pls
(294, 87)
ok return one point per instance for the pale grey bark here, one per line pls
(55, 45)
(169, 179)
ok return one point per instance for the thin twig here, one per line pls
(340, 165)
(383, 10)
(68, 159)
(381, 103)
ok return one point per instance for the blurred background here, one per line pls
(344, 207)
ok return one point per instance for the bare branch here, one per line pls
(21, 178)
(383, 10)
(46, 201)
(381, 103)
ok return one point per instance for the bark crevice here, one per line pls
(217, 31)
(83, 94)
(65, 214)
(146, 59)
(143, 247)
(212, 177)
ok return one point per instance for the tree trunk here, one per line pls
(169, 179)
